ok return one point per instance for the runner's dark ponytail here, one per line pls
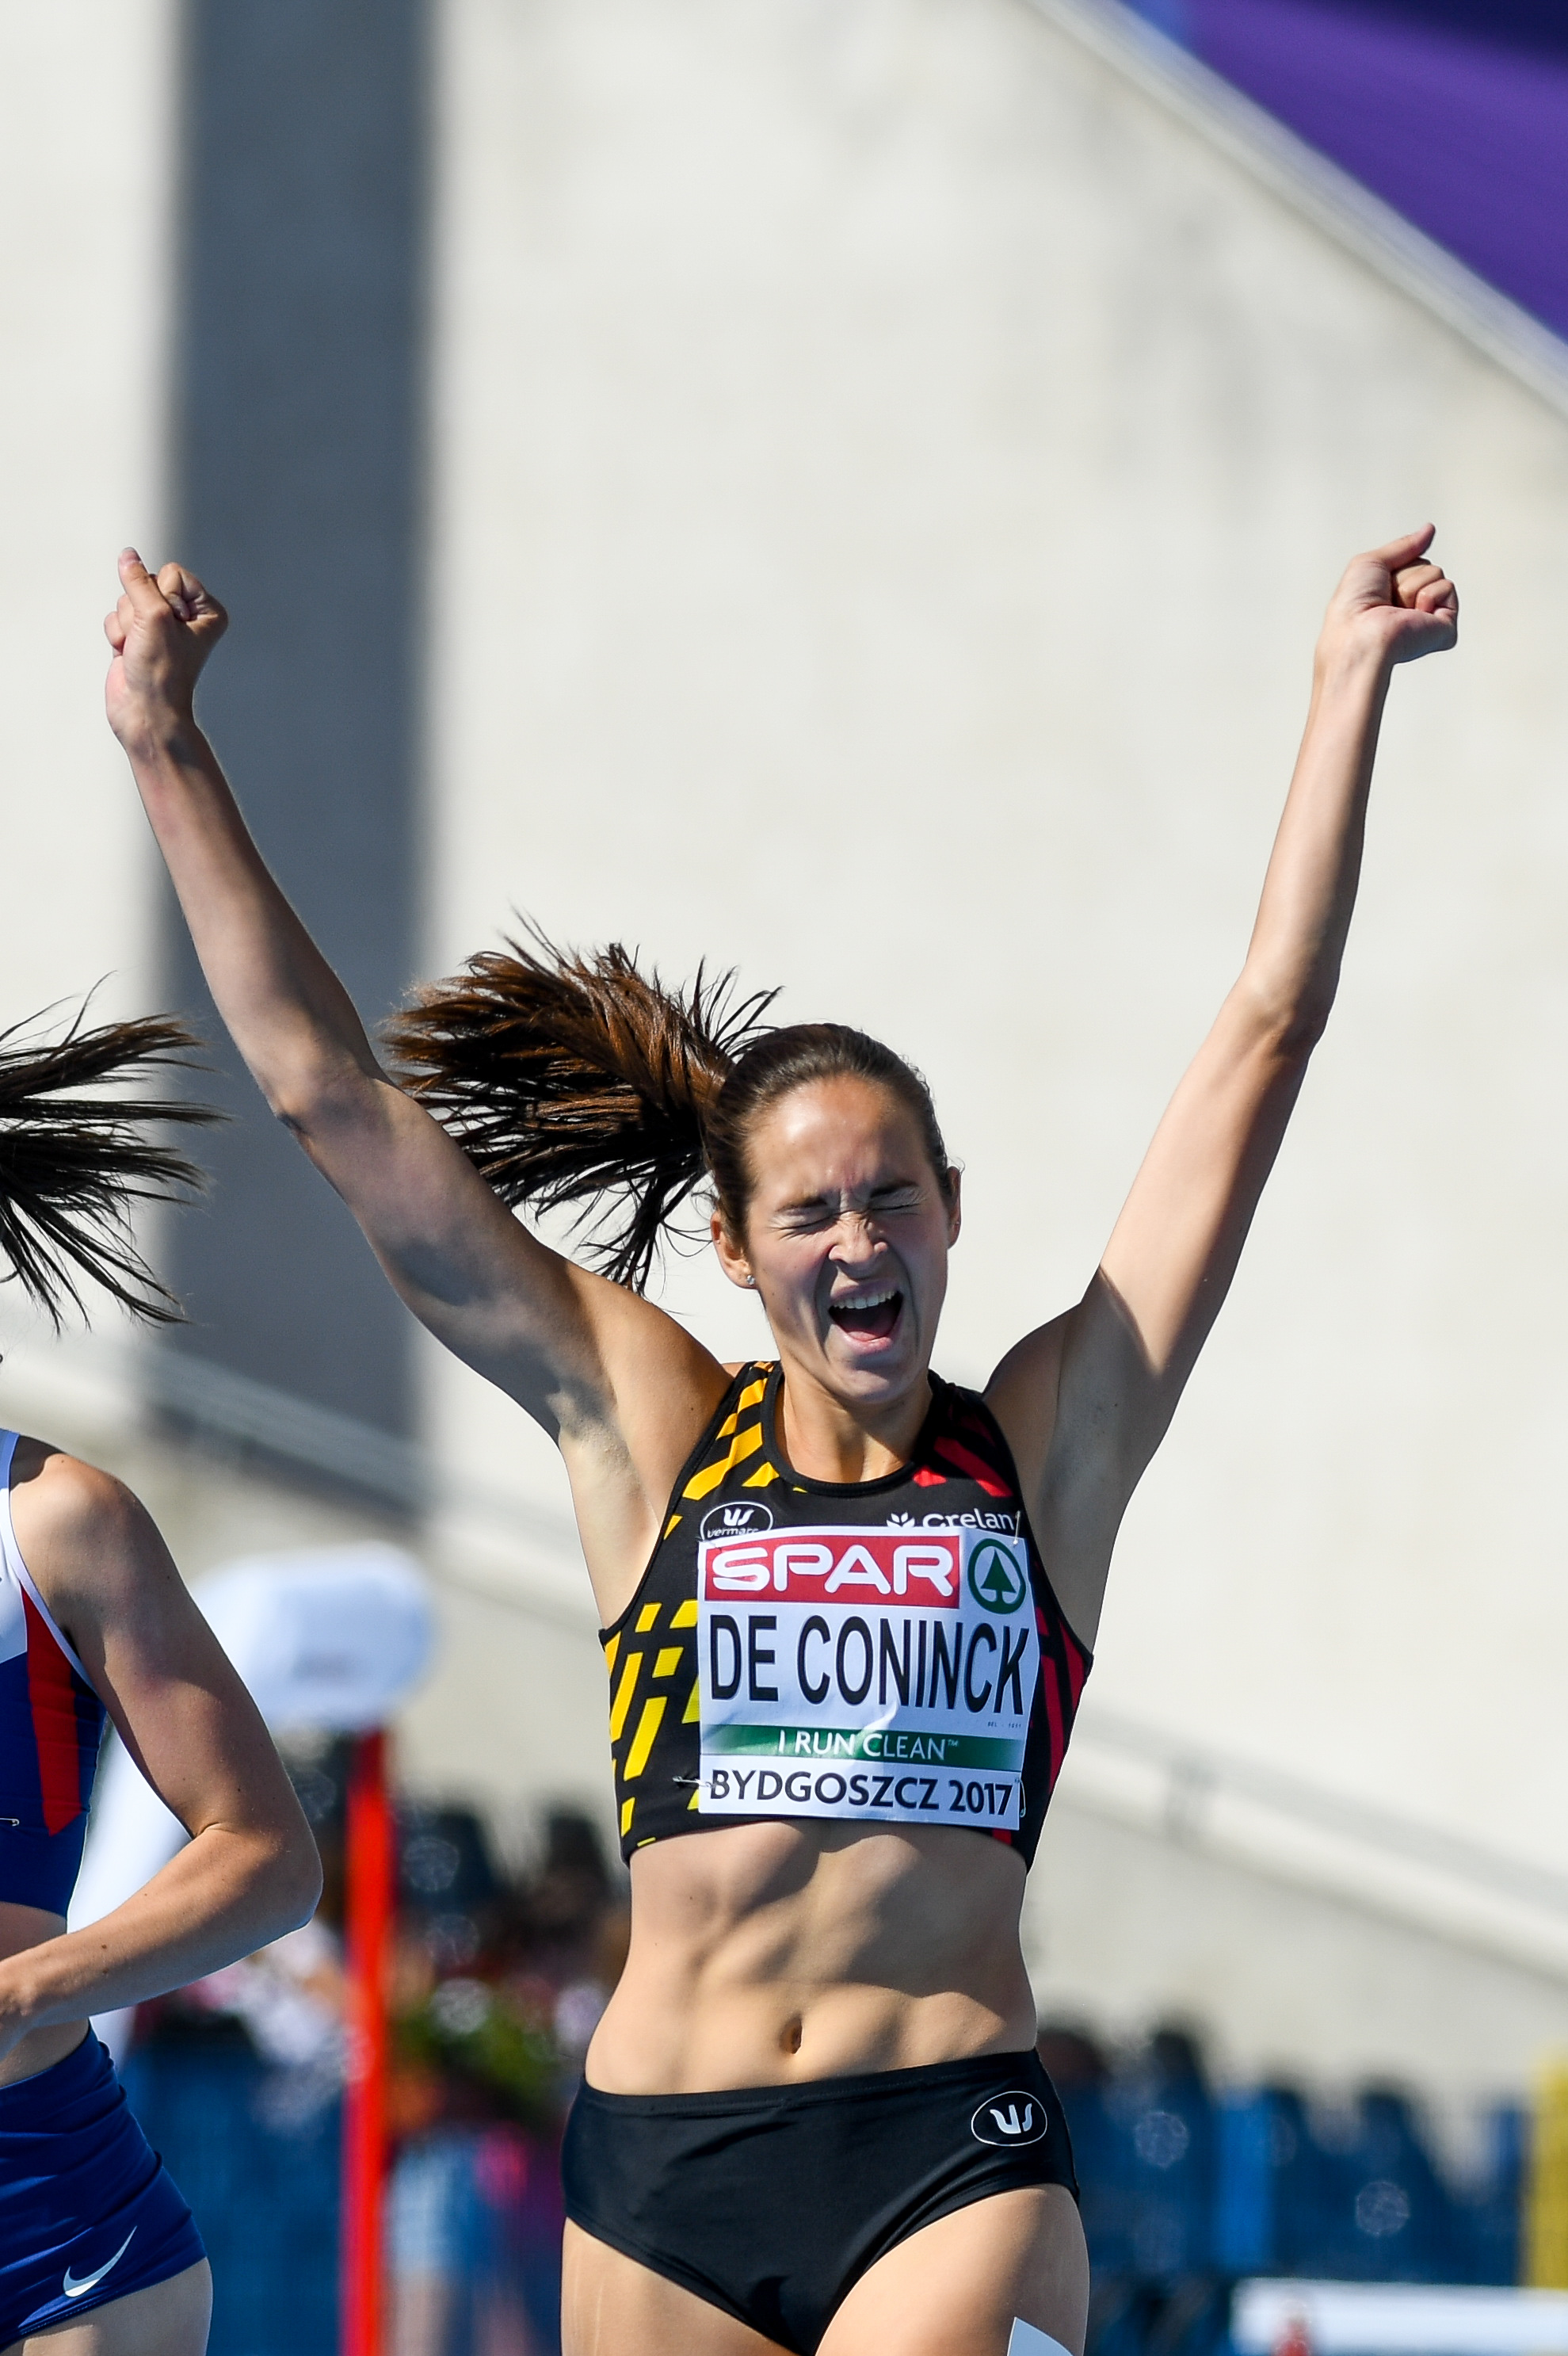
(73, 1165)
(569, 1079)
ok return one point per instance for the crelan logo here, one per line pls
(1011, 2118)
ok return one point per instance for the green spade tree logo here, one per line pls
(994, 1580)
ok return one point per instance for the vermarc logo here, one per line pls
(1014, 2117)
(737, 1521)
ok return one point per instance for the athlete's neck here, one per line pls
(828, 1440)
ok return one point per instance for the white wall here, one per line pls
(1126, 1929)
(88, 155)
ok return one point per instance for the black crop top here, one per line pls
(884, 1650)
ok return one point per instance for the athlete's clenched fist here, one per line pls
(161, 631)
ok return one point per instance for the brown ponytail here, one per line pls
(569, 1078)
(71, 1166)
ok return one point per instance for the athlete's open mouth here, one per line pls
(871, 1315)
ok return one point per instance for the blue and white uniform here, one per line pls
(88, 2211)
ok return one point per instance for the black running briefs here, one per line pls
(771, 2201)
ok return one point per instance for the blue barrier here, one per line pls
(257, 2158)
(1180, 2186)
(255, 2151)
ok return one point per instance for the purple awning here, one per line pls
(1453, 111)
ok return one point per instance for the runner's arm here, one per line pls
(250, 1871)
(1088, 1398)
(560, 1339)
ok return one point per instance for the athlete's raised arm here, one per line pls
(1086, 1400)
(562, 1340)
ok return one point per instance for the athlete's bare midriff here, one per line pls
(768, 1953)
(21, 1927)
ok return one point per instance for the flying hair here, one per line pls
(73, 1165)
(570, 1078)
(574, 1080)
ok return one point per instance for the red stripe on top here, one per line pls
(51, 1690)
(980, 1472)
(1054, 1715)
(925, 1479)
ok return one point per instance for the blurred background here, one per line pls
(847, 488)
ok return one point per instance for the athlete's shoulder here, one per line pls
(78, 1529)
(1022, 1395)
(65, 1495)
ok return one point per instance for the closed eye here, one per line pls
(896, 1198)
(804, 1219)
(801, 1217)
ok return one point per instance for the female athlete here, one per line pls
(847, 1607)
(98, 2252)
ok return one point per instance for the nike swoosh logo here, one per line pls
(78, 2286)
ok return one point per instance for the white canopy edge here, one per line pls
(1332, 199)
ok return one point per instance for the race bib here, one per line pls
(868, 1673)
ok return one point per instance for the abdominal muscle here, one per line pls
(769, 1953)
(21, 1927)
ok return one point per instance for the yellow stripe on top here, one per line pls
(745, 1443)
(710, 1477)
(647, 1649)
(647, 1727)
(623, 1691)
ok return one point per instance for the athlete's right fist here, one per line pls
(162, 632)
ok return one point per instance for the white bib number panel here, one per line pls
(885, 1674)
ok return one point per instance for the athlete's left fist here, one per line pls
(1394, 604)
(161, 633)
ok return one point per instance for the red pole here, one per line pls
(368, 1864)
